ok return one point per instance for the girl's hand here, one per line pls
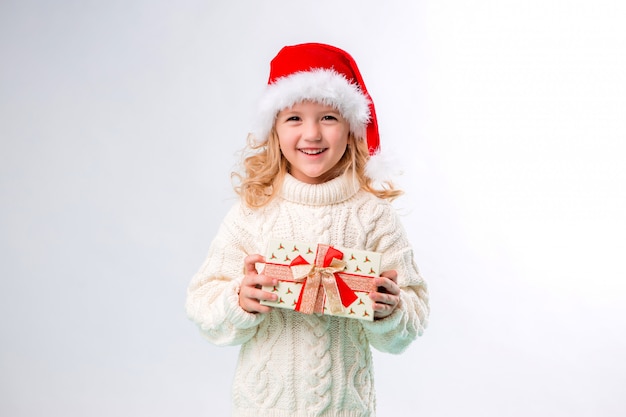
(387, 296)
(250, 292)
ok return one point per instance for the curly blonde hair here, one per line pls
(265, 168)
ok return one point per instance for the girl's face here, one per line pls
(312, 137)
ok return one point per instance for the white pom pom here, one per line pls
(382, 167)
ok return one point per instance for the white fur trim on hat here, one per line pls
(320, 85)
(383, 167)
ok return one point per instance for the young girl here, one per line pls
(310, 178)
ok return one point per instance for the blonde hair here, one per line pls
(265, 168)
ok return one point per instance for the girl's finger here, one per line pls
(250, 262)
(387, 299)
(259, 294)
(392, 275)
(388, 285)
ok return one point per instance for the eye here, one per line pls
(293, 119)
(329, 117)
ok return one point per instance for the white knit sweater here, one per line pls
(292, 364)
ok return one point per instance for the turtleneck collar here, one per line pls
(331, 192)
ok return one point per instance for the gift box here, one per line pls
(322, 279)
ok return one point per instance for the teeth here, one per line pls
(312, 151)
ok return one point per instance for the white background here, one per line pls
(120, 122)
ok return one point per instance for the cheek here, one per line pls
(283, 138)
(346, 141)
(280, 143)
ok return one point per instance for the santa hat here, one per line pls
(324, 74)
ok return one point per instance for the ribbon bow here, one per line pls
(322, 274)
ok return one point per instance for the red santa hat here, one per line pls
(324, 74)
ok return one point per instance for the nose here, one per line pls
(312, 131)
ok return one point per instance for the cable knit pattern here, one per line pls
(292, 364)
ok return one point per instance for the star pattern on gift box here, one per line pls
(287, 295)
(358, 309)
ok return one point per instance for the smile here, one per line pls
(312, 151)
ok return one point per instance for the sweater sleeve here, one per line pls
(395, 332)
(213, 294)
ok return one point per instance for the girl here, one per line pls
(310, 178)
